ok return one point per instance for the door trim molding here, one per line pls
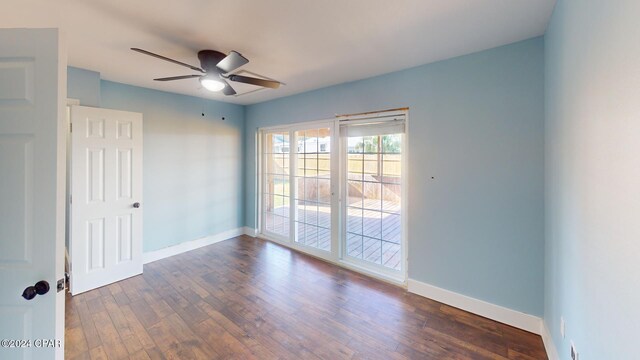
(183, 247)
(498, 313)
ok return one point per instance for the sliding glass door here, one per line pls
(335, 189)
(372, 206)
(276, 196)
(313, 187)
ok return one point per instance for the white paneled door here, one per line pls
(106, 197)
(32, 168)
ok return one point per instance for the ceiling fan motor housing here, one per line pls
(209, 59)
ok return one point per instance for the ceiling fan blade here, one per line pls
(228, 90)
(167, 59)
(255, 81)
(177, 77)
(233, 61)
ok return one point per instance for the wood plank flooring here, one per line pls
(249, 299)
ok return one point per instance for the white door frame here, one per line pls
(362, 265)
(338, 226)
(70, 102)
(289, 242)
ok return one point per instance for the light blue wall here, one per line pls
(83, 85)
(192, 163)
(593, 177)
(476, 125)
(193, 172)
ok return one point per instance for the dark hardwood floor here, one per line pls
(249, 299)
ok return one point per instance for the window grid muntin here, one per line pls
(276, 201)
(307, 175)
(386, 237)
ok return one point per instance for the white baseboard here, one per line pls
(190, 245)
(250, 231)
(549, 346)
(494, 312)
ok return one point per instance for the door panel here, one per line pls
(124, 174)
(106, 229)
(276, 205)
(95, 175)
(95, 239)
(125, 237)
(16, 192)
(124, 130)
(313, 188)
(32, 168)
(372, 189)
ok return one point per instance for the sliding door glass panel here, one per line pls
(313, 188)
(276, 188)
(373, 201)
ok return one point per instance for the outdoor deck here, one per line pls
(373, 230)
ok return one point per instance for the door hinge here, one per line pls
(70, 199)
(70, 127)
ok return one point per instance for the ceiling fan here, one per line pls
(215, 66)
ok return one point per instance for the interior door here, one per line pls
(106, 197)
(32, 181)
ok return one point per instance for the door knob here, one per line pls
(136, 205)
(29, 293)
(40, 288)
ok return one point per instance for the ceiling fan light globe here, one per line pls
(212, 84)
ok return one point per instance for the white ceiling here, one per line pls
(305, 44)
